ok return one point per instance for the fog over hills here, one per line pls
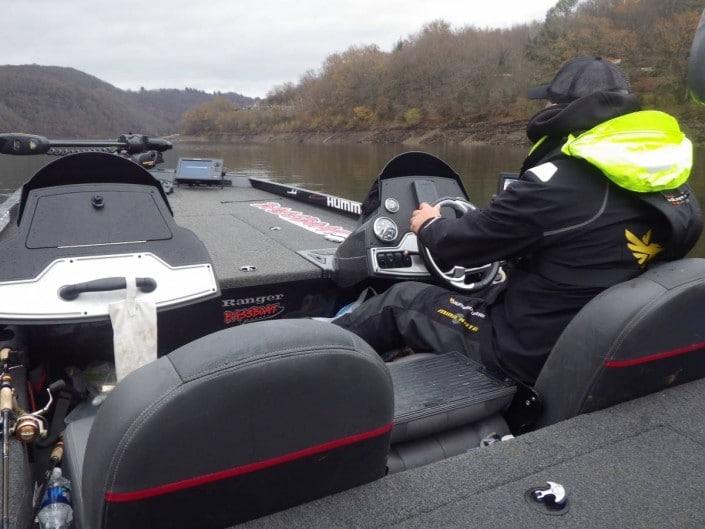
(56, 101)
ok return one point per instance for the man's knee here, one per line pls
(403, 294)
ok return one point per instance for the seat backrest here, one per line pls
(236, 425)
(633, 339)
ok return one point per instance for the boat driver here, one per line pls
(601, 197)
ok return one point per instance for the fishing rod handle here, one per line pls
(6, 396)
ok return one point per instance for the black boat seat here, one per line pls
(75, 442)
(635, 338)
(233, 426)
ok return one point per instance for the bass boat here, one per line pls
(252, 410)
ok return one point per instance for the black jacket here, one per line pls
(564, 226)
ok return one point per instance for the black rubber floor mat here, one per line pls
(435, 392)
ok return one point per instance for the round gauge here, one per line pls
(385, 229)
(391, 205)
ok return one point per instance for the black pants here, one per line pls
(424, 317)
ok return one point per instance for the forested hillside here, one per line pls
(453, 78)
(57, 101)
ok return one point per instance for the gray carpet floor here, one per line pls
(639, 464)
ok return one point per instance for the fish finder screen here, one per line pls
(195, 169)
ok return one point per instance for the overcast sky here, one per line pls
(245, 46)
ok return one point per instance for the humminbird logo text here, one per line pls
(344, 204)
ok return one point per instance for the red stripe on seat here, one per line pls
(122, 497)
(656, 356)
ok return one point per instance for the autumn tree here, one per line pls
(446, 76)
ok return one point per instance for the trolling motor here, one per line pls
(24, 426)
(30, 144)
(141, 149)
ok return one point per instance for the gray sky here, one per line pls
(246, 46)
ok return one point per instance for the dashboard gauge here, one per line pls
(385, 229)
(391, 205)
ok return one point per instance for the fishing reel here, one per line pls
(32, 426)
(28, 427)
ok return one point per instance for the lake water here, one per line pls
(343, 170)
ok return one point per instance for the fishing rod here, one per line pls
(17, 144)
(6, 407)
(27, 427)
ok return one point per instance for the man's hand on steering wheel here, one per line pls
(462, 278)
(422, 214)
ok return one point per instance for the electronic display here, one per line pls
(199, 170)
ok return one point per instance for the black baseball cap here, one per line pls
(581, 77)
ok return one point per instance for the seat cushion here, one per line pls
(635, 338)
(236, 425)
(75, 441)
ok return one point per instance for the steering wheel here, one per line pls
(458, 276)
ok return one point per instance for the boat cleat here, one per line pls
(551, 500)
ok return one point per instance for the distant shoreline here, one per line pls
(482, 133)
(511, 133)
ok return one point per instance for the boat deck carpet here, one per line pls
(638, 464)
(237, 233)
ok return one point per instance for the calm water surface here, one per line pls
(344, 170)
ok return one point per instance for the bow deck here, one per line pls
(246, 227)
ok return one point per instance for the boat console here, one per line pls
(382, 245)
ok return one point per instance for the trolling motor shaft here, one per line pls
(32, 144)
